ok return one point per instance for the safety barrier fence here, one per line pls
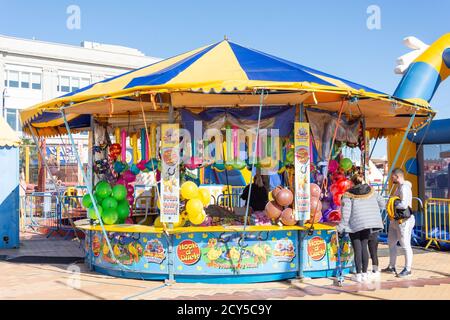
(437, 222)
(51, 213)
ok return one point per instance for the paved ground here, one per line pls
(57, 280)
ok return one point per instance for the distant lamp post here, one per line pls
(4, 96)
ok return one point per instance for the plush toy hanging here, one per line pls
(124, 145)
(134, 145)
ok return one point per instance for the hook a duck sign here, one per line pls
(170, 173)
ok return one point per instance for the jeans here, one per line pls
(401, 233)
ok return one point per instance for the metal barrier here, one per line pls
(230, 200)
(437, 221)
(51, 213)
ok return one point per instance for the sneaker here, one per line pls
(404, 273)
(389, 270)
(375, 275)
(365, 277)
(357, 277)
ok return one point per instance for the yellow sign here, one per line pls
(170, 173)
(302, 171)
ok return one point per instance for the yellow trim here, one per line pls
(84, 225)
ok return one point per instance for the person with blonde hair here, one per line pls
(361, 217)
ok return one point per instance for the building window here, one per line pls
(25, 80)
(36, 81)
(85, 82)
(64, 84)
(69, 84)
(75, 84)
(13, 79)
(12, 117)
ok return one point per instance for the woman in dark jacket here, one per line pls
(259, 196)
(361, 216)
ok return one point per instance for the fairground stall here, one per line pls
(202, 125)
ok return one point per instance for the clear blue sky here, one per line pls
(328, 35)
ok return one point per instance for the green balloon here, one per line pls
(103, 189)
(92, 214)
(290, 156)
(239, 165)
(109, 202)
(123, 209)
(119, 192)
(86, 201)
(346, 164)
(121, 221)
(110, 216)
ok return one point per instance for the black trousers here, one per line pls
(373, 247)
(360, 242)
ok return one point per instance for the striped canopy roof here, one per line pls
(210, 76)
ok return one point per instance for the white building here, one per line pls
(33, 71)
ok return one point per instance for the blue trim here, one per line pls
(325, 273)
(130, 275)
(420, 81)
(167, 74)
(231, 279)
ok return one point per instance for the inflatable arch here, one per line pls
(424, 69)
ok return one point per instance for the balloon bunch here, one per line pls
(196, 200)
(315, 203)
(111, 203)
(126, 180)
(279, 207)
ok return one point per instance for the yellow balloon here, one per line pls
(194, 207)
(270, 196)
(158, 223)
(189, 190)
(198, 219)
(205, 196)
(158, 204)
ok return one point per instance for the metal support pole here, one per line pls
(397, 155)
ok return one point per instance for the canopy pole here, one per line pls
(397, 155)
(255, 152)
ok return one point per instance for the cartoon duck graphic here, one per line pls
(133, 252)
(260, 253)
(234, 254)
(117, 251)
(214, 254)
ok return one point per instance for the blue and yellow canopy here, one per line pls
(221, 74)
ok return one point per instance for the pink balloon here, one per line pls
(332, 166)
(288, 218)
(316, 206)
(130, 189)
(315, 217)
(141, 165)
(315, 190)
(129, 177)
(130, 199)
(129, 221)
